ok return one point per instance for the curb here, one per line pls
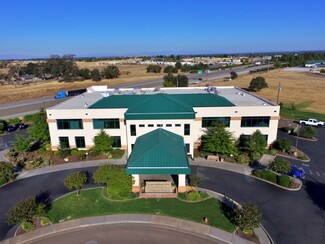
(160, 221)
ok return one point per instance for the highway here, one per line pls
(21, 108)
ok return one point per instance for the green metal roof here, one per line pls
(160, 105)
(158, 152)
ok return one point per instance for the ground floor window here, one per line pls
(116, 141)
(80, 142)
(64, 142)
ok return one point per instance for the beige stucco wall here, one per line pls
(124, 131)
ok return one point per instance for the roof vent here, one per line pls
(117, 91)
(157, 88)
(86, 105)
(243, 94)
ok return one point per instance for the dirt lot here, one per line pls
(297, 87)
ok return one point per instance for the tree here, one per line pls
(175, 81)
(182, 81)
(119, 184)
(280, 165)
(153, 68)
(39, 129)
(75, 181)
(170, 69)
(95, 75)
(84, 73)
(178, 65)
(283, 144)
(25, 211)
(218, 139)
(22, 144)
(257, 142)
(257, 83)
(103, 142)
(248, 217)
(111, 72)
(7, 170)
(233, 75)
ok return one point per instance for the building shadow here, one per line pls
(316, 192)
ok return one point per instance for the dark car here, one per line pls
(296, 172)
(11, 128)
(200, 79)
(20, 126)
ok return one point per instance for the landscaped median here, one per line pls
(280, 180)
(92, 203)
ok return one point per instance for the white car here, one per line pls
(313, 122)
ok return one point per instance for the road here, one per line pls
(21, 108)
(136, 233)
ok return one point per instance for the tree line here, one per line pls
(297, 58)
(63, 68)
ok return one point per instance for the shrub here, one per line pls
(280, 165)
(28, 226)
(266, 175)
(2, 181)
(308, 132)
(117, 153)
(322, 71)
(153, 68)
(242, 158)
(247, 217)
(45, 221)
(193, 196)
(284, 180)
(283, 144)
(196, 153)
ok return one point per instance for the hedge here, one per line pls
(2, 181)
(266, 175)
(284, 180)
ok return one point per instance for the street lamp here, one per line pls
(297, 137)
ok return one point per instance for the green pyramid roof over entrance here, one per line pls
(158, 152)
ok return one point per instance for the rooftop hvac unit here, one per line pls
(157, 89)
(117, 91)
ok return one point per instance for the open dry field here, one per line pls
(130, 74)
(297, 87)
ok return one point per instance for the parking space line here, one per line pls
(310, 172)
(317, 173)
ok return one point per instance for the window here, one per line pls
(150, 125)
(106, 123)
(209, 121)
(169, 125)
(116, 141)
(133, 130)
(69, 124)
(159, 125)
(255, 121)
(187, 147)
(80, 142)
(141, 125)
(177, 125)
(187, 129)
(64, 142)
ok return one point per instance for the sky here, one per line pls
(40, 28)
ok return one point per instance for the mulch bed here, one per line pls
(252, 237)
(75, 158)
(37, 222)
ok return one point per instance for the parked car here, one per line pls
(296, 172)
(20, 126)
(11, 128)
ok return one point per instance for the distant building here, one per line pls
(314, 63)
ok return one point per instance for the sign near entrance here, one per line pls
(199, 72)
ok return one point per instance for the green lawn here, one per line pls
(91, 203)
(299, 112)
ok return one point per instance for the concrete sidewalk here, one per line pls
(162, 221)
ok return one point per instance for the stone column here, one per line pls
(181, 183)
(136, 185)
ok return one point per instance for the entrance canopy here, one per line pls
(158, 152)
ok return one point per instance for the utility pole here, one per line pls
(279, 90)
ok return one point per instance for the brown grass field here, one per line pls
(297, 87)
(130, 74)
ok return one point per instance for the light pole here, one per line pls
(279, 90)
(297, 138)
